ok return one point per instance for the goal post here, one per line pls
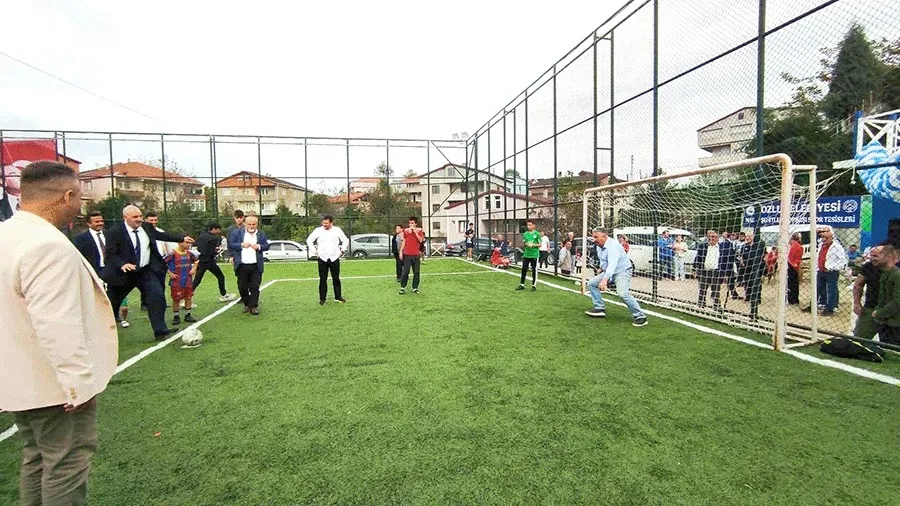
(670, 222)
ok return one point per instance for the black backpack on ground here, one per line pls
(849, 348)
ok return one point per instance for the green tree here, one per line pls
(409, 174)
(171, 165)
(856, 76)
(283, 223)
(111, 207)
(384, 170)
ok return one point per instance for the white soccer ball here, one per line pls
(192, 338)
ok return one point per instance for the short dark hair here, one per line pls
(529, 221)
(854, 246)
(328, 217)
(93, 214)
(238, 213)
(151, 214)
(413, 218)
(213, 225)
(40, 173)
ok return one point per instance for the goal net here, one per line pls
(714, 243)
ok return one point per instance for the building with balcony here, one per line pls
(726, 138)
(145, 186)
(250, 192)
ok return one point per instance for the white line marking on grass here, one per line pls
(858, 371)
(162, 344)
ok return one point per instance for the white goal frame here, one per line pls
(788, 170)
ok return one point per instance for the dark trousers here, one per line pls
(525, 263)
(753, 289)
(793, 285)
(710, 280)
(56, 455)
(334, 267)
(213, 268)
(890, 335)
(542, 260)
(162, 281)
(398, 264)
(410, 262)
(153, 296)
(731, 281)
(665, 267)
(248, 281)
(827, 289)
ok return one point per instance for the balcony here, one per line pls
(709, 161)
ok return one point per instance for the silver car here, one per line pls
(285, 250)
(370, 246)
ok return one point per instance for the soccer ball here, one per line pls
(192, 338)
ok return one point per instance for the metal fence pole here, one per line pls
(388, 174)
(760, 78)
(490, 208)
(306, 191)
(556, 177)
(162, 162)
(656, 253)
(506, 181)
(594, 112)
(349, 211)
(612, 107)
(259, 176)
(427, 196)
(527, 178)
(475, 189)
(214, 183)
(112, 175)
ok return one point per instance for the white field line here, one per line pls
(175, 337)
(858, 371)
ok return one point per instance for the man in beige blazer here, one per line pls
(58, 341)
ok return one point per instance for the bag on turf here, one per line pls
(849, 348)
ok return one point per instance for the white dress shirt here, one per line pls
(145, 244)
(248, 255)
(329, 244)
(711, 262)
(100, 244)
(165, 248)
(58, 339)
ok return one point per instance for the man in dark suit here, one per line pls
(754, 268)
(92, 243)
(247, 245)
(396, 239)
(133, 261)
(713, 263)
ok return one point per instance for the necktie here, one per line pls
(102, 246)
(137, 247)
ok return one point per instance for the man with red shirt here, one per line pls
(410, 247)
(795, 256)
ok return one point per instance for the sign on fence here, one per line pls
(838, 212)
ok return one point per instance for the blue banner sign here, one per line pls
(838, 212)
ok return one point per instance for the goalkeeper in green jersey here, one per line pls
(532, 240)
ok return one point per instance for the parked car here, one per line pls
(285, 250)
(370, 246)
(642, 241)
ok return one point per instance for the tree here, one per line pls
(170, 165)
(409, 174)
(111, 207)
(283, 223)
(384, 170)
(855, 78)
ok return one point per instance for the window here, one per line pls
(381, 241)
(87, 185)
(740, 115)
(487, 202)
(198, 205)
(268, 206)
(435, 189)
(451, 172)
(290, 247)
(435, 225)
(435, 208)
(226, 192)
(497, 201)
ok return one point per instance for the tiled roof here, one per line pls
(246, 178)
(137, 170)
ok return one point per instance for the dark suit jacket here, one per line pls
(236, 237)
(6, 210)
(726, 257)
(87, 246)
(120, 251)
(754, 259)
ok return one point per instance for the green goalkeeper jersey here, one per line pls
(533, 237)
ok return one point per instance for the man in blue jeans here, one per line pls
(831, 262)
(615, 267)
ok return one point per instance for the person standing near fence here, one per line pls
(238, 217)
(867, 281)
(565, 259)
(410, 251)
(543, 251)
(795, 257)
(532, 242)
(664, 245)
(830, 263)
(470, 241)
(679, 251)
(712, 265)
(396, 240)
(208, 246)
(247, 245)
(887, 314)
(330, 243)
(754, 269)
(615, 267)
(58, 341)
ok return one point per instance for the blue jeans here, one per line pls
(827, 289)
(623, 283)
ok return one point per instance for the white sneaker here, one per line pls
(228, 297)
(124, 324)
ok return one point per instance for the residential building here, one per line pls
(546, 189)
(353, 199)
(364, 184)
(145, 185)
(498, 213)
(249, 192)
(726, 138)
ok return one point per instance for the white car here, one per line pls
(285, 250)
(642, 240)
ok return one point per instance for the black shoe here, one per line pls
(341, 300)
(640, 321)
(533, 288)
(416, 291)
(520, 287)
(176, 320)
(189, 319)
(254, 311)
(161, 336)
(596, 313)
(246, 309)
(322, 302)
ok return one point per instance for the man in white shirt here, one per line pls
(58, 341)
(247, 245)
(164, 248)
(330, 243)
(543, 250)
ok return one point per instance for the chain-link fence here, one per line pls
(666, 86)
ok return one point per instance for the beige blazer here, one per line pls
(58, 339)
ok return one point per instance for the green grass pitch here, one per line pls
(473, 393)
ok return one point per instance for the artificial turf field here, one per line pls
(472, 393)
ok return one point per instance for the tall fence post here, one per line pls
(112, 175)
(162, 162)
(259, 176)
(214, 181)
(594, 112)
(555, 177)
(760, 78)
(612, 106)
(657, 254)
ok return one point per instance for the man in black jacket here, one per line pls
(133, 261)
(208, 246)
(92, 243)
(396, 239)
(712, 265)
(754, 268)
